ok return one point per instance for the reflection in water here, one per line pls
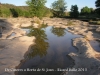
(49, 52)
(41, 46)
(58, 31)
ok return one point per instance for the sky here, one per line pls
(79, 3)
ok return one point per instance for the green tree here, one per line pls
(14, 12)
(59, 8)
(86, 11)
(97, 4)
(74, 11)
(36, 7)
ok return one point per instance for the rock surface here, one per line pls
(98, 29)
(12, 51)
(85, 59)
(26, 24)
(13, 45)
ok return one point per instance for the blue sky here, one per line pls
(80, 3)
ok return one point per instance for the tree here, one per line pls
(74, 11)
(59, 7)
(97, 4)
(36, 7)
(86, 11)
(14, 12)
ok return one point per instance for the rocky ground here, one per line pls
(13, 48)
(86, 57)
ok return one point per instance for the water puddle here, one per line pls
(49, 52)
(95, 45)
(12, 34)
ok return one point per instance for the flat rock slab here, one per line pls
(12, 51)
(86, 62)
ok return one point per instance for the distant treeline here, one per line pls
(9, 10)
(58, 9)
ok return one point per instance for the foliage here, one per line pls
(36, 7)
(5, 12)
(9, 10)
(47, 12)
(97, 4)
(74, 11)
(86, 11)
(59, 8)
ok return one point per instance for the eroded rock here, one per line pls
(12, 52)
(85, 59)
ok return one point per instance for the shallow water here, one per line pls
(49, 52)
(95, 45)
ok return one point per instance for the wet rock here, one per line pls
(98, 29)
